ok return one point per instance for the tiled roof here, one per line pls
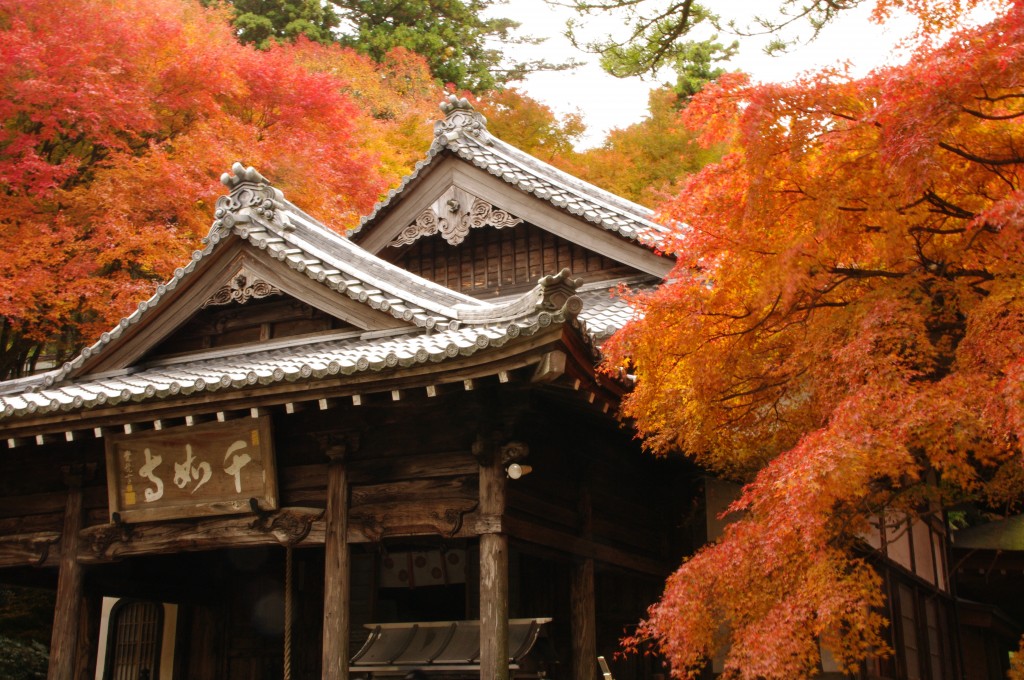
(238, 368)
(258, 213)
(442, 324)
(604, 312)
(464, 132)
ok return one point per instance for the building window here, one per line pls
(911, 645)
(934, 621)
(133, 641)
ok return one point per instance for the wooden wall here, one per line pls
(592, 495)
(502, 261)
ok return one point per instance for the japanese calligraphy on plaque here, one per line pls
(208, 469)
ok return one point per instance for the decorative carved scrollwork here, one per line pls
(251, 194)
(99, 539)
(456, 516)
(244, 286)
(455, 228)
(460, 117)
(444, 516)
(288, 527)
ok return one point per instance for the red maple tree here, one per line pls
(114, 128)
(844, 332)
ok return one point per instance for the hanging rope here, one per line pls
(288, 613)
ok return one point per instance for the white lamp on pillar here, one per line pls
(515, 470)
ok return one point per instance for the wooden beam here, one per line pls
(493, 574)
(64, 638)
(369, 523)
(32, 549)
(336, 624)
(571, 544)
(287, 526)
(551, 367)
(305, 527)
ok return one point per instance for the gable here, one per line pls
(239, 322)
(453, 200)
(233, 295)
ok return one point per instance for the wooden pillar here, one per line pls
(337, 569)
(64, 638)
(494, 654)
(584, 621)
(583, 612)
(88, 637)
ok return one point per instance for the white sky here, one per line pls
(607, 102)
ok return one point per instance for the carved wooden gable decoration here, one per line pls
(452, 216)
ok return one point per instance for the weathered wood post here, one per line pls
(88, 637)
(336, 568)
(64, 638)
(583, 611)
(494, 652)
(584, 619)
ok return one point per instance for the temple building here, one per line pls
(312, 456)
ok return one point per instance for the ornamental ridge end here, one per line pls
(460, 118)
(240, 174)
(251, 195)
(558, 292)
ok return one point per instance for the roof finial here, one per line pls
(239, 174)
(251, 196)
(558, 292)
(460, 118)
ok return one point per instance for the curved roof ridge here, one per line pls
(379, 273)
(563, 180)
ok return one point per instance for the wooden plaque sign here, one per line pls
(208, 469)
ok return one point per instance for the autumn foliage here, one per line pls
(844, 331)
(116, 125)
(648, 161)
